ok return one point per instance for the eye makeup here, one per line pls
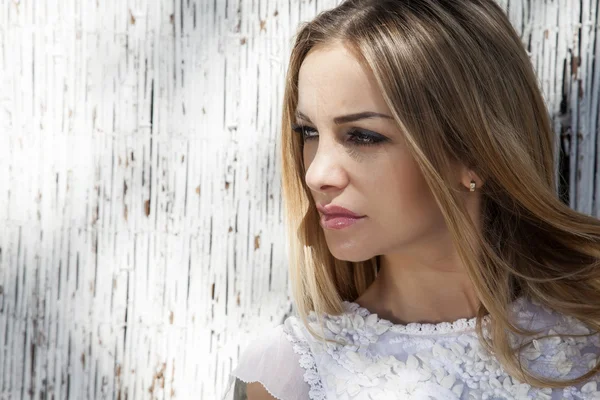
(357, 137)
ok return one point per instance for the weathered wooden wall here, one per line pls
(142, 243)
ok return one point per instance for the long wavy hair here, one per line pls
(460, 85)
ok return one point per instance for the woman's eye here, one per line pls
(303, 130)
(356, 137)
(360, 138)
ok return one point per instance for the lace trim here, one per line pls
(306, 361)
(458, 326)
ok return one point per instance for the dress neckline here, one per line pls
(457, 326)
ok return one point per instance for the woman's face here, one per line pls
(380, 180)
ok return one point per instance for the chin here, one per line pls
(349, 255)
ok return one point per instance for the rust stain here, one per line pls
(172, 18)
(575, 63)
(171, 318)
(198, 190)
(263, 24)
(125, 212)
(172, 379)
(546, 33)
(238, 299)
(213, 291)
(256, 242)
(147, 207)
(83, 359)
(243, 40)
(182, 158)
(226, 185)
(95, 216)
(230, 229)
(118, 370)
(131, 18)
(276, 13)
(159, 377)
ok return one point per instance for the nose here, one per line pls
(325, 169)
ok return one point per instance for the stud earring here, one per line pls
(472, 186)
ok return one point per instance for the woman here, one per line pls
(453, 270)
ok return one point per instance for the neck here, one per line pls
(408, 291)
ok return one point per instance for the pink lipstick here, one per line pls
(336, 217)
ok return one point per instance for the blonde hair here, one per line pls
(460, 85)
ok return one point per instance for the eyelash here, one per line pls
(354, 133)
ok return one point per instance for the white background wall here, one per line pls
(142, 244)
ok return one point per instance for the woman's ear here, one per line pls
(467, 176)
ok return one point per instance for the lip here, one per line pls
(332, 210)
(337, 217)
(338, 222)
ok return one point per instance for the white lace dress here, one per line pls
(414, 361)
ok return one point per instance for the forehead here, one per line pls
(332, 81)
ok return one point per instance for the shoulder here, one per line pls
(257, 391)
(269, 366)
(268, 345)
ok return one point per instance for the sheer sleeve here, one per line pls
(269, 359)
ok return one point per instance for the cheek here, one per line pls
(402, 192)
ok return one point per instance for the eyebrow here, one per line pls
(343, 119)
